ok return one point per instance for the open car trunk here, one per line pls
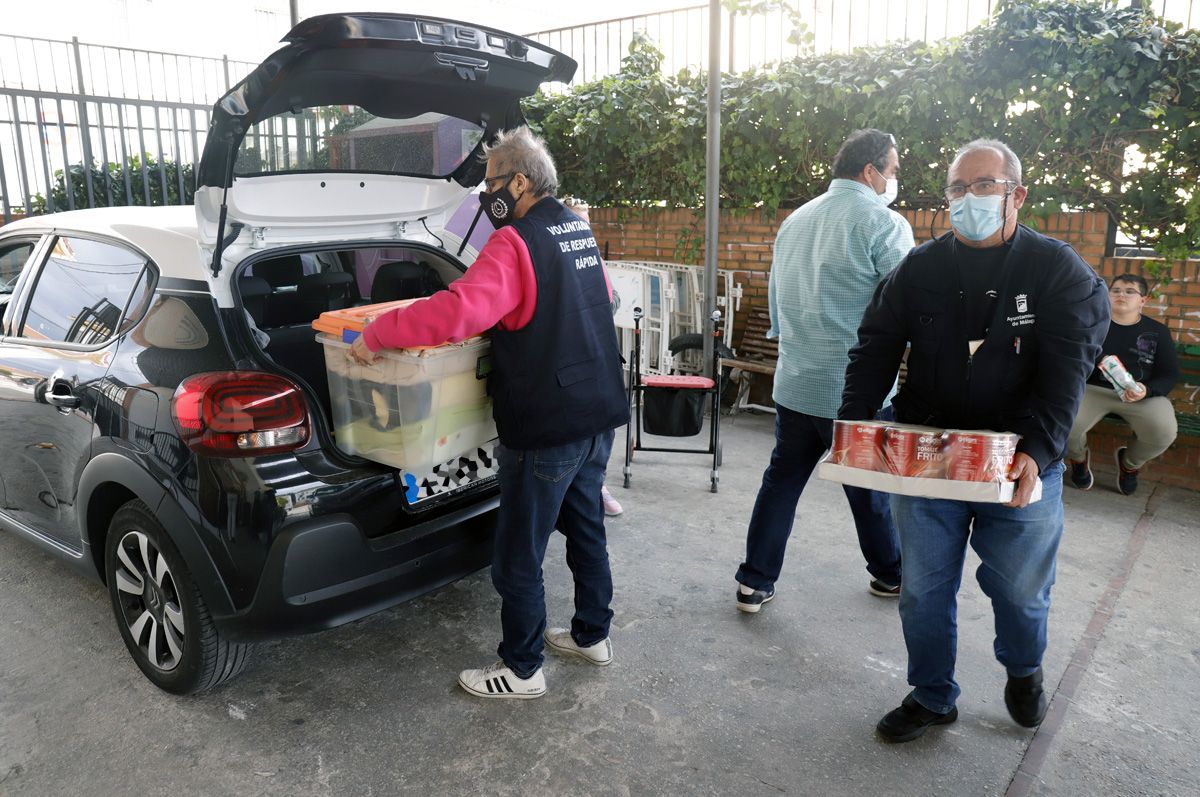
(282, 294)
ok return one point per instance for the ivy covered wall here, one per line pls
(1101, 104)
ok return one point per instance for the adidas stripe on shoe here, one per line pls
(560, 639)
(498, 680)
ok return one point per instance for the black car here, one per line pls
(165, 409)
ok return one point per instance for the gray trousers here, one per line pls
(1152, 419)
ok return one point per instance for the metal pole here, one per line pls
(712, 182)
(294, 8)
(85, 132)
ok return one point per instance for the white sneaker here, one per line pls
(560, 639)
(498, 680)
(611, 505)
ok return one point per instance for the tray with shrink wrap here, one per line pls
(414, 408)
(962, 465)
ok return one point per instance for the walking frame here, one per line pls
(640, 385)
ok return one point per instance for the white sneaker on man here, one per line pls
(498, 680)
(560, 639)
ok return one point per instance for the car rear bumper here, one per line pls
(325, 571)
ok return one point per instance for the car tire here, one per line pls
(160, 612)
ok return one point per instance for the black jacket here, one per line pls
(1147, 351)
(1042, 340)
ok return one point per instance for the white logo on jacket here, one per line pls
(1022, 303)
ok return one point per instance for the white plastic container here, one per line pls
(415, 408)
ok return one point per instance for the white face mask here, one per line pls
(977, 218)
(889, 193)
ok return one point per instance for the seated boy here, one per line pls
(1147, 351)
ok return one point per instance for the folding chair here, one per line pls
(675, 405)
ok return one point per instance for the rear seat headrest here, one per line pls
(286, 270)
(253, 287)
(405, 280)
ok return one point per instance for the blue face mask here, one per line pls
(977, 218)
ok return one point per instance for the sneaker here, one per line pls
(911, 720)
(498, 680)
(1081, 472)
(611, 507)
(883, 589)
(1026, 700)
(751, 600)
(560, 639)
(1126, 477)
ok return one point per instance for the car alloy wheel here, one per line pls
(163, 618)
(149, 599)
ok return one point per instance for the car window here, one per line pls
(350, 139)
(81, 291)
(13, 256)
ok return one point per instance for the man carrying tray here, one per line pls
(557, 393)
(1005, 325)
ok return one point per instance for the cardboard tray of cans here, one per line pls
(963, 465)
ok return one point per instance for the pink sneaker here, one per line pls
(611, 506)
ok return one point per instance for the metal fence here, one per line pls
(763, 38)
(65, 104)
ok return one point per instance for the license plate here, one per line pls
(450, 477)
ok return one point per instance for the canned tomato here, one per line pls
(979, 456)
(916, 451)
(859, 444)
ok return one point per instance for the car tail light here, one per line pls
(240, 413)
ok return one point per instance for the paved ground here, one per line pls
(700, 699)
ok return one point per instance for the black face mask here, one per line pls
(498, 206)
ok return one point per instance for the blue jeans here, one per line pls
(800, 442)
(542, 490)
(1017, 547)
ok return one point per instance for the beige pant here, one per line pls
(1152, 419)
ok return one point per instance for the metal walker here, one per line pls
(640, 386)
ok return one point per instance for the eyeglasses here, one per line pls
(1126, 291)
(988, 187)
(503, 178)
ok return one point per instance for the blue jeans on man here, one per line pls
(800, 442)
(1017, 549)
(540, 491)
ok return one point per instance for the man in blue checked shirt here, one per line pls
(830, 255)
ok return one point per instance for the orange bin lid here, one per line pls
(353, 319)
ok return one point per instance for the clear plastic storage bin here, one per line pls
(415, 408)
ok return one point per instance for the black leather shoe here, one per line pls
(1026, 700)
(911, 720)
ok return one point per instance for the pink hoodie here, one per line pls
(499, 289)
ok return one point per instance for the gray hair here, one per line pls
(519, 150)
(1012, 164)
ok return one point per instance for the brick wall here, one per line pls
(745, 242)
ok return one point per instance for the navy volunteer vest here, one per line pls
(558, 379)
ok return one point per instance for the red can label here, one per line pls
(859, 444)
(916, 452)
(979, 456)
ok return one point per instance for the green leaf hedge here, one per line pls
(1102, 105)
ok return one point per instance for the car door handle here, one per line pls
(62, 396)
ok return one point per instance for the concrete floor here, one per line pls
(700, 699)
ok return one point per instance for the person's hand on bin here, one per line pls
(359, 353)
